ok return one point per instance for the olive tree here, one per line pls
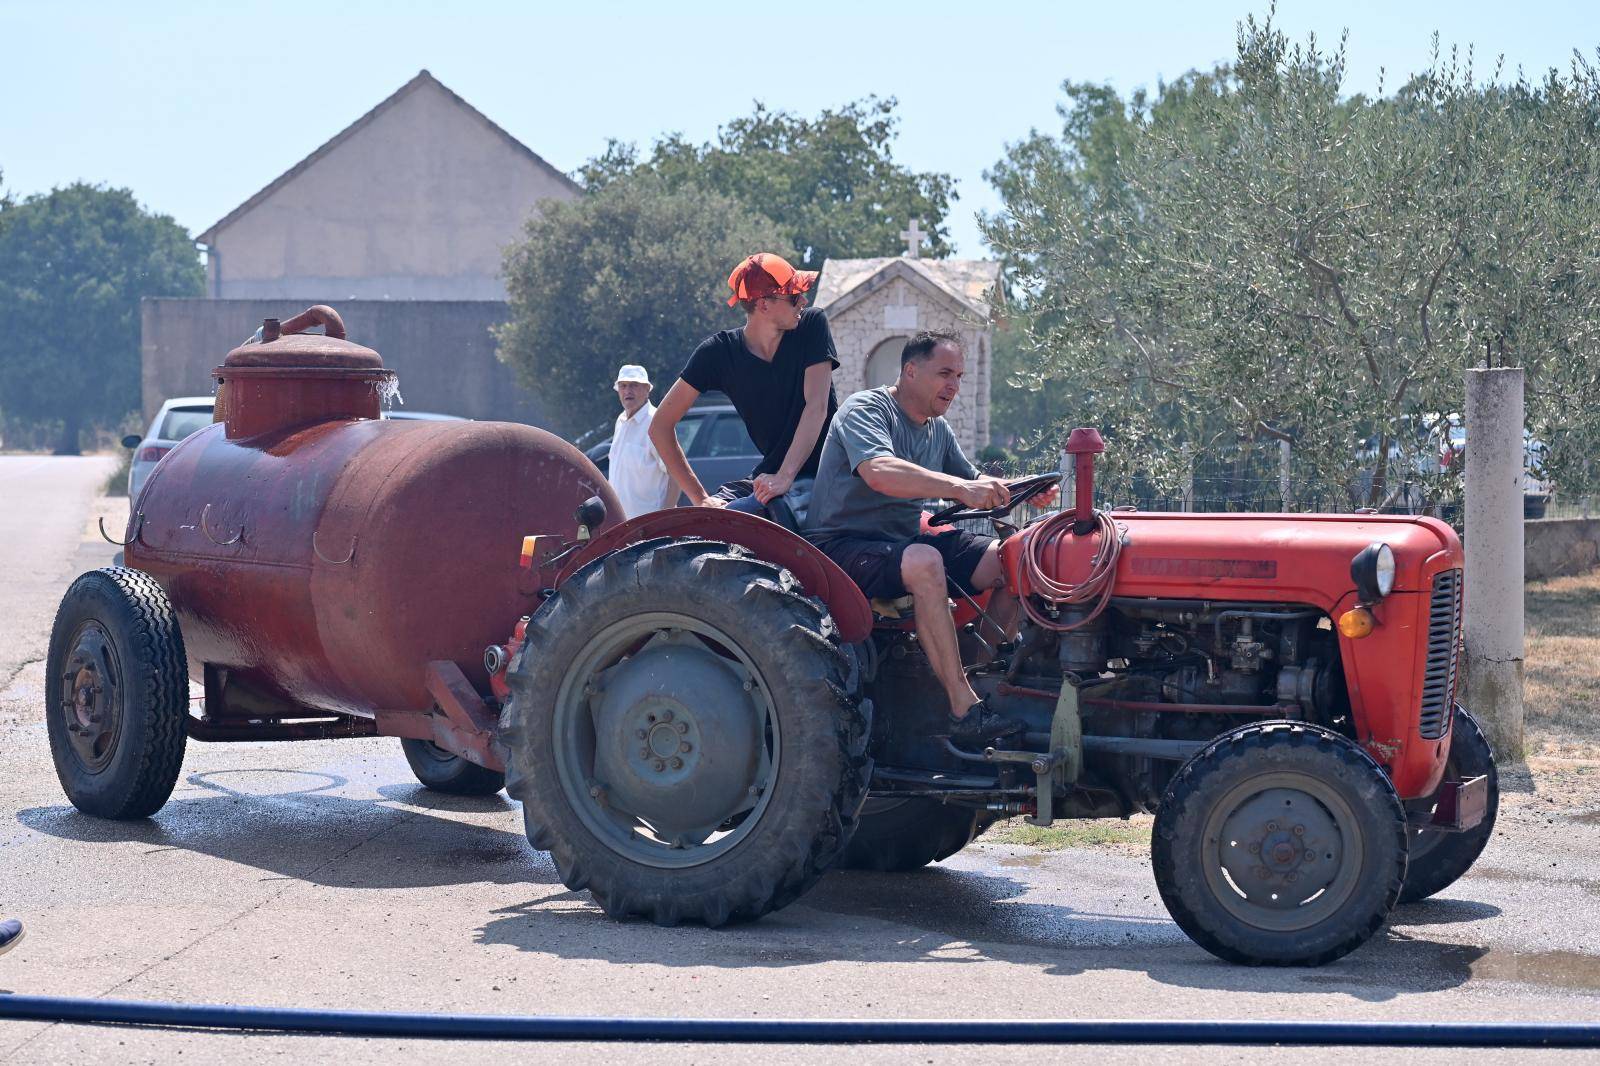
(1253, 256)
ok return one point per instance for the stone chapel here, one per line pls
(875, 305)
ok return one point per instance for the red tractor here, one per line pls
(701, 714)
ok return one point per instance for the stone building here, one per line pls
(875, 305)
(400, 221)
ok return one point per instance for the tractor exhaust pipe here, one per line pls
(1083, 445)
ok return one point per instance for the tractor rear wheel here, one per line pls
(1439, 859)
(444, 771)
(116, 694)
(1280, 843)
(685, 733)
(897, 835)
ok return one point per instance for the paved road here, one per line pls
(45, 502)
(321, 875)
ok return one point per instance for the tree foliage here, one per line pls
(1253, 256)
(74, 264)
(830, 182)
(632, 272)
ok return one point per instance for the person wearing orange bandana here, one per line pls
(777, 371)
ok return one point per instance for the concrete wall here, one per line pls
(1554, 547)
(442, 350)
(863, 326)
(415, 205)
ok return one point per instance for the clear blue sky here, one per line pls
(195, 106)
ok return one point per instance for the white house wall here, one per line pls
(415, 205)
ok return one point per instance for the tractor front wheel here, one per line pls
(685, 735)
(1280, 843)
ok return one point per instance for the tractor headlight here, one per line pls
(1373, 571)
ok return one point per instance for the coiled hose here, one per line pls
(1094, 592)
(812, 1031)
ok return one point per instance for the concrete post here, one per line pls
(1493, 623)
(1285, 484)
(1188, 477)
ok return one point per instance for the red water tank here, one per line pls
(319, 556)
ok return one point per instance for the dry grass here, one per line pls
(1131, 837)
(1562, 673)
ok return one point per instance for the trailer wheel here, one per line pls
(1280, 843)
(116, 694)
(899, 835)
(684, 734)
(1439, 859)
(443, 771)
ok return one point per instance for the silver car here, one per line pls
(177, 418)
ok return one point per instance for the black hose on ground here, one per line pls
(818, 1031)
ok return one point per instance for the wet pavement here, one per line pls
(320, 875)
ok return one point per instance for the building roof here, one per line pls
(423, 78)
(972, 283)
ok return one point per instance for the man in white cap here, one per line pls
(637, 473)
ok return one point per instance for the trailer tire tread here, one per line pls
(138, 615)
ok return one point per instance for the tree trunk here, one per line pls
(1380, 472)
(69, 436)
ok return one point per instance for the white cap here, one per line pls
(632, 372)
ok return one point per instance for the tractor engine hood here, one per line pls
(1252, 557)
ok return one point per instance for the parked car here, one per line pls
(184, 415)
(1439, 448)
(714, 439)
(1536, 489)
(177, 418)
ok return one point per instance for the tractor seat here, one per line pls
(895, 609)
(779, 511)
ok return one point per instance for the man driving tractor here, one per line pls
(889, 451)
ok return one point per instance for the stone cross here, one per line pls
(913, 235)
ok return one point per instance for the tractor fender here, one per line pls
(817, 574)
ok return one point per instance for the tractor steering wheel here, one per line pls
(1021, 490)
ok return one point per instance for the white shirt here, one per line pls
(637, 473)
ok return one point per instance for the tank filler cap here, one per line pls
(286, 345)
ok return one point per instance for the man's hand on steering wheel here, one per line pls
(976, 497)
(983, 493)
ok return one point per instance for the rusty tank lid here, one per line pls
(285, 345)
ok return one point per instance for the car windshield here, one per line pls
(727, 437)
(182, 421)
(689, 428)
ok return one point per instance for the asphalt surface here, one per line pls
(321, 875)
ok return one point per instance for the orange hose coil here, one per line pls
(1093, 592)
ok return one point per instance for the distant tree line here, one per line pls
(74, 264)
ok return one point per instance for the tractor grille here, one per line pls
(1444, 652)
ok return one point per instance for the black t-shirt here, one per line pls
(770, 397)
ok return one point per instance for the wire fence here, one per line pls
(1580, 507)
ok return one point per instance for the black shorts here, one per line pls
(874, 565)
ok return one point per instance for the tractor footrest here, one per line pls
(1459, 805)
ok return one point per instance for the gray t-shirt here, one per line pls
(870, 424)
